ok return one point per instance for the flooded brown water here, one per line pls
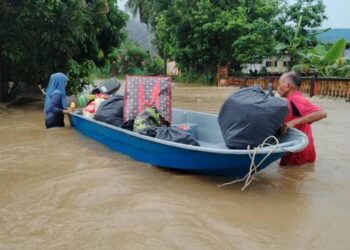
(61, 190)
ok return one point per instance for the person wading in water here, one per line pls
(301, 114)
(56, 101)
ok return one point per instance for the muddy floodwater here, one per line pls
(62, 190)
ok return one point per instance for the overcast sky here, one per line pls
(337, 11)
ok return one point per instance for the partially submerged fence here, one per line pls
(330, 87)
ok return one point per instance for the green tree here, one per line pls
(149, 10)
(312, 12)
(294, 25)
(133, 59)
(40, 37)
(202, 34)
(142, 7)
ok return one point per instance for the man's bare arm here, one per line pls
(310, 118)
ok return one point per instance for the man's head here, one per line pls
(288, 82)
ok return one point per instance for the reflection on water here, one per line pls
(61, 190)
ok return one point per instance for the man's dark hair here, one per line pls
(295, 78)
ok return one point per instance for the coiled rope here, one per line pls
(253, 169)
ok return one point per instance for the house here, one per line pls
(271, 65)
(171, 69)
(333, 35)
(280, 64)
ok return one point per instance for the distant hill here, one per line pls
(137, 31)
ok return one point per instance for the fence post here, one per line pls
(312, 86)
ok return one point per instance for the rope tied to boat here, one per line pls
(253, 168)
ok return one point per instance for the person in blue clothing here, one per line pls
(56, 101)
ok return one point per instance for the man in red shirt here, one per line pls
(301, 114)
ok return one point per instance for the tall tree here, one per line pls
(44, 36)
(201, 34)
(149, 10)
(294, 27)
(312, 12)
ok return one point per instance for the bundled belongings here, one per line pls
(90, 103)
(175, 135)
(147, 122)
(189, 128)
(142, 92)
(249, 116)
(111, 111)
(85, 99)
(91, 108)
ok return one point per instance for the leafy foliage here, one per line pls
(148, 9)
(323, 61)
(40, 37)
(312, 12)
(294, 24)
(202, 34)
(132, 59)
(153, 65)
(79, 75)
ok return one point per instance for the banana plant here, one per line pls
(296, 42)
(293, 43)
(323, 61)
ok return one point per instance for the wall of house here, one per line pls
(276, 64)
(171, 69)
(272, 65)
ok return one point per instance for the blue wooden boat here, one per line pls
(212, 157)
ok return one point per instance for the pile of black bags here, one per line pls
(249, 116)
(111, 111)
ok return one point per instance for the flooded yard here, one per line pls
(62, 190)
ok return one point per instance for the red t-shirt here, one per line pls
(299, 106)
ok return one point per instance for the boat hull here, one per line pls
(202, 160)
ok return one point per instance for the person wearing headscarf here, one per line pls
(56, 101)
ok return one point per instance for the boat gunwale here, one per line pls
(276, 148)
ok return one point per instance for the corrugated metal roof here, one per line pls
(334, 35)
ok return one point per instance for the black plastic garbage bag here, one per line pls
(175, 135)
(111, 111)
(109, 86)
(249, 116)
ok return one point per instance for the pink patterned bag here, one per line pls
(145, 91)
